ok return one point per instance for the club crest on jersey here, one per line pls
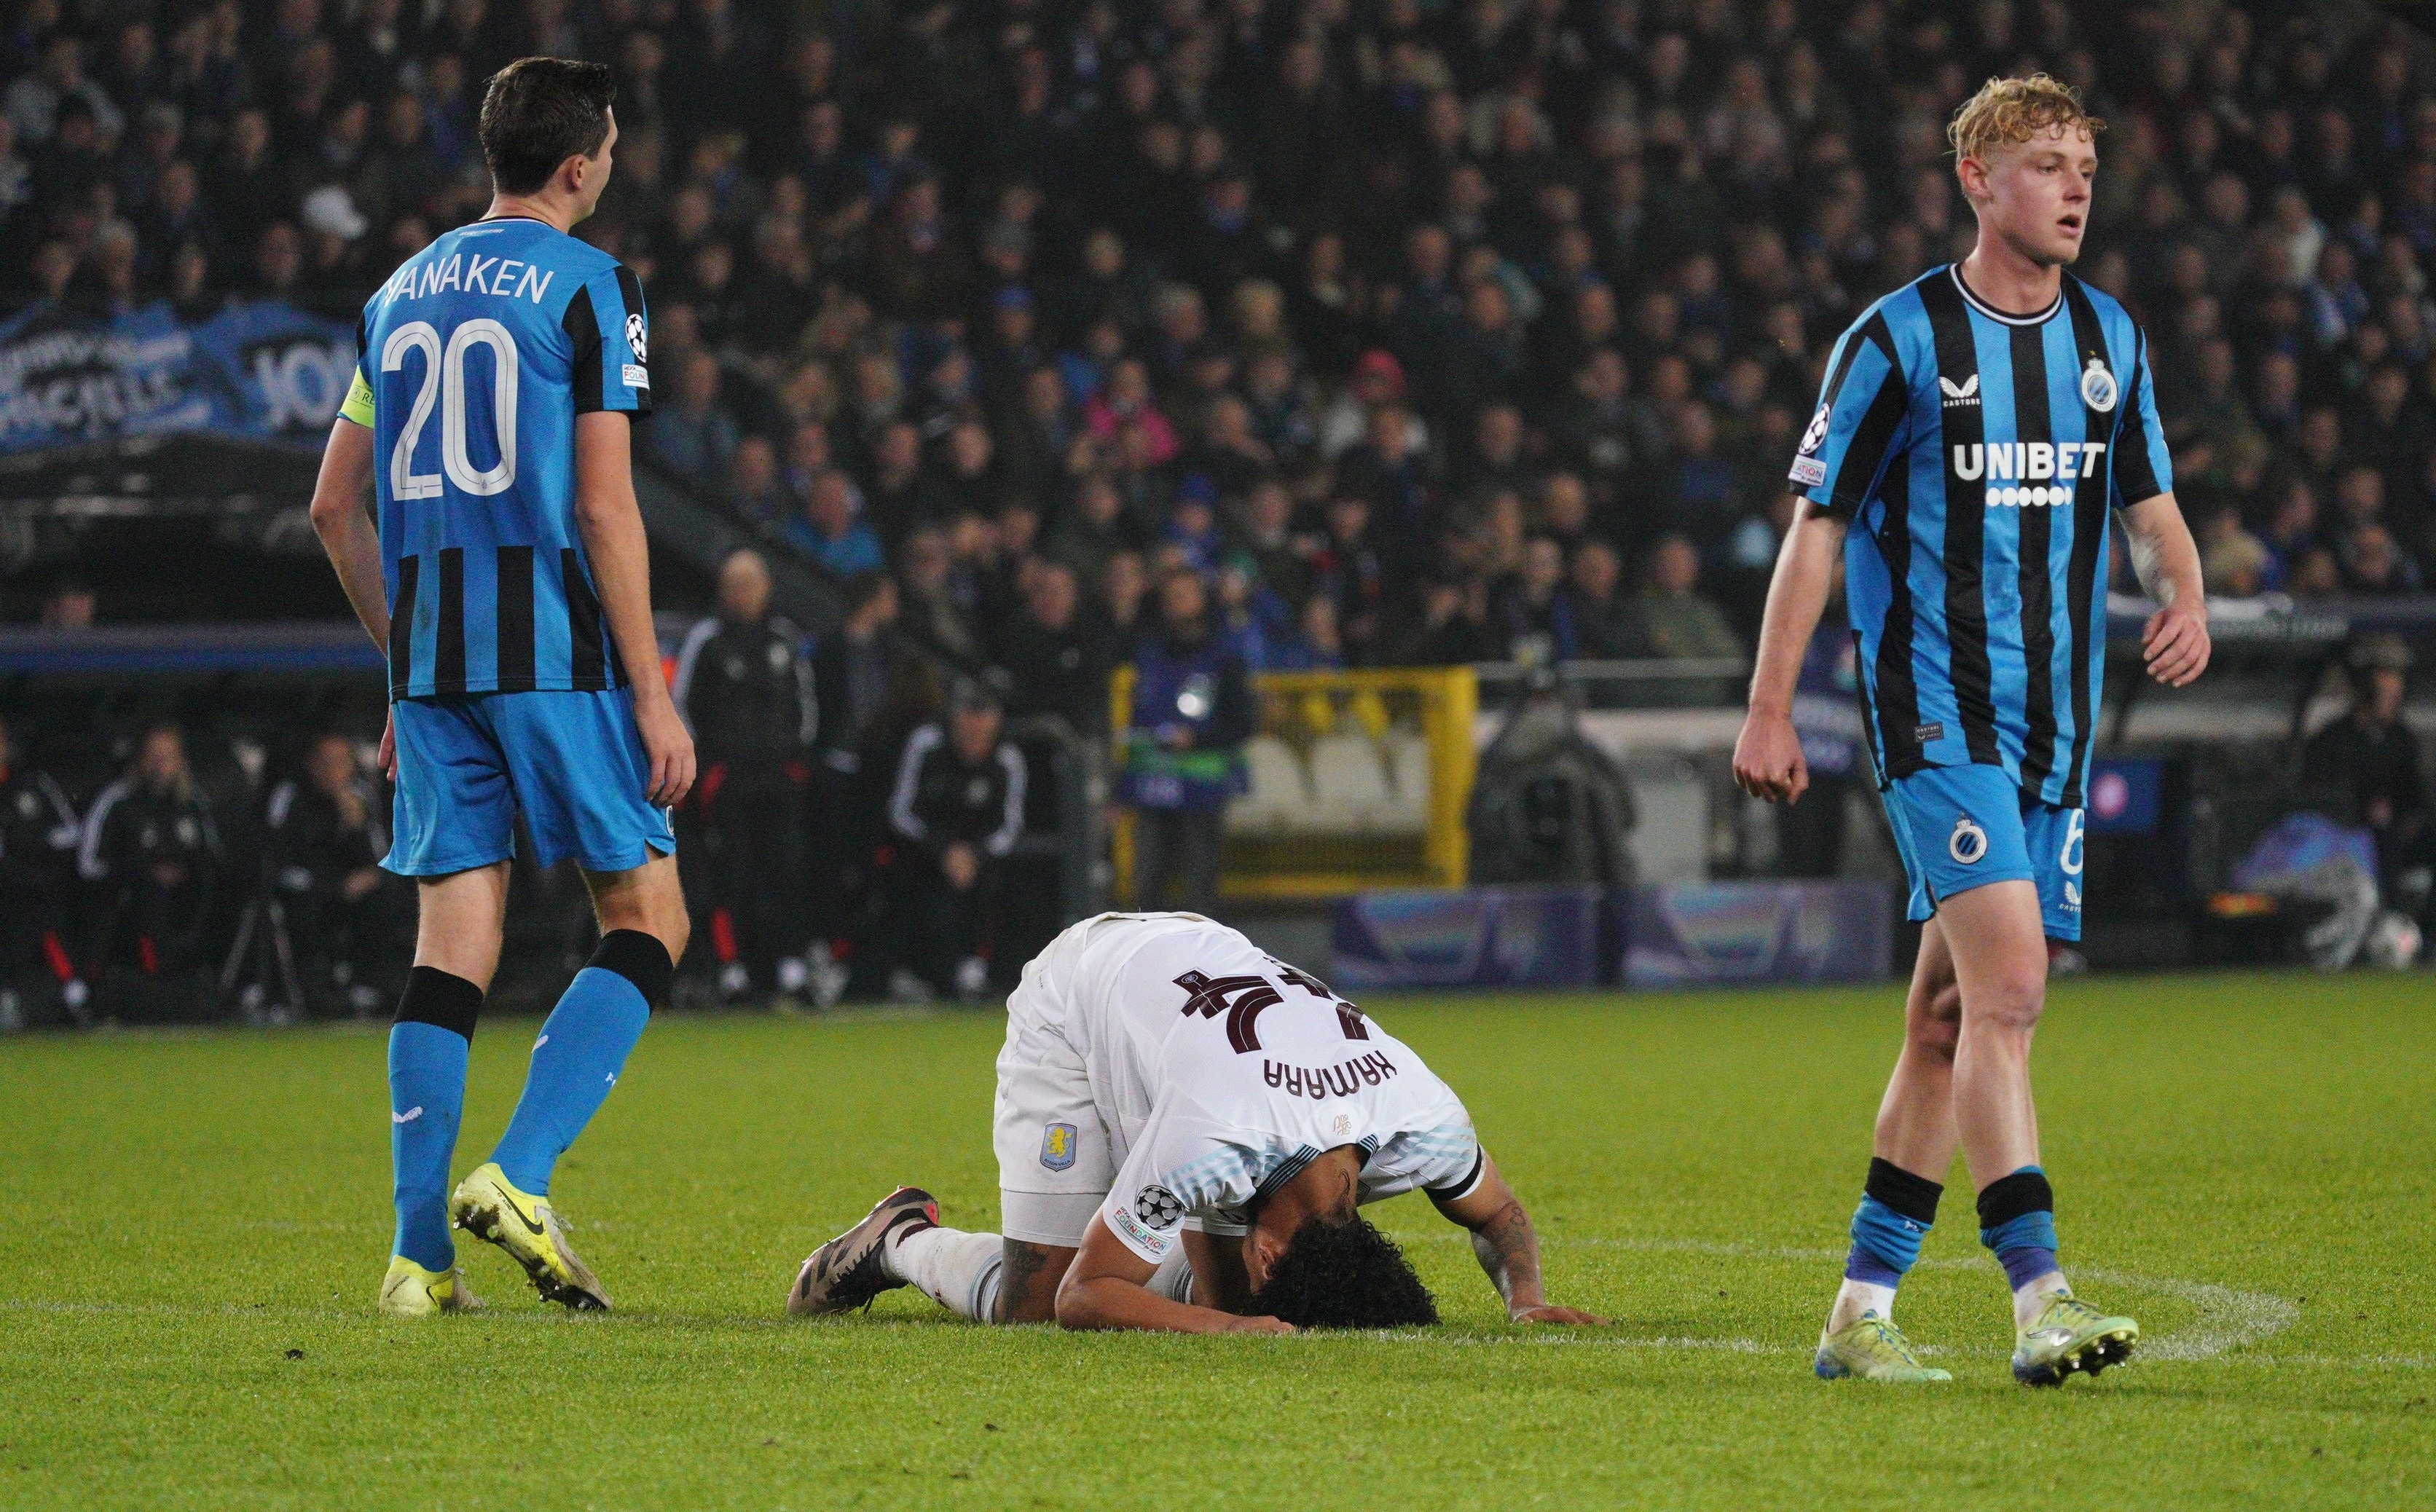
(1968, 842)
(636, 339)
(2097, 389)
(1965, 392)
(1057, 1146)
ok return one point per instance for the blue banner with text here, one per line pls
(256, 371)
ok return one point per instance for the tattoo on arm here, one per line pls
(1508, 1248)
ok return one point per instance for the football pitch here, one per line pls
(192, 1227)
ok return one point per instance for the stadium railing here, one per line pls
(1355, 780)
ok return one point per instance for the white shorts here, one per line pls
(1057, 1153)
(1055, 1156)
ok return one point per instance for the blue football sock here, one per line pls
(427, 1095)
(1897, 1211)
(2017, 1222)
(582, 1046)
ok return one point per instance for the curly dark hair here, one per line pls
(1344, 1276)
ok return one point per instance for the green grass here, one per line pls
(2243, 1161)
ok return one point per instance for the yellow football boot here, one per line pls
(532, 1232)
(408, 1291)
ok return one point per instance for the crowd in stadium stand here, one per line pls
(1423, 332)
(1405, 332)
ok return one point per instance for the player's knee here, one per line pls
(1936, 1034)
(1933, 1016)
(2010, 1003)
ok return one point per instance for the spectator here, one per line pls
(754, 489)
(1051, 658)
(1680, 621)
(2373, 566)
(1121, 590)
(324, 836)
(830, 531)
(2233, 563)
(695, 435)
(856, 672)
(1606, 624)
(150, 851)
(1192, 710)
(745, 687)
(957, 810)
(932, 615)
(2367, 769)
(38, 850)
(1315, 647)
(1534, 612)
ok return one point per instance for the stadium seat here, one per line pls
(1349, 787)
(1408, 764)
(1279, 795)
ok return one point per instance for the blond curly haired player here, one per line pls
(1978, 431)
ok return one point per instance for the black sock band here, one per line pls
(639, 958)
(2010, 1197)
(434, 997)
(1914, 1197)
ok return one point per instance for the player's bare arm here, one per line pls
(1108, 1286)
(1768, 755)
(2167, 561)
(1508, 1248)
(346, 528)
(352, 543)
(612, 525)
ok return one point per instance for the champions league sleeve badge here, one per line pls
(1159, 1208)
(1807, 469)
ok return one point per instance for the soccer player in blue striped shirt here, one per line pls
(507, 577)
(1978, 430)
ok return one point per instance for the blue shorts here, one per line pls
(1961, 828)
(570, 763)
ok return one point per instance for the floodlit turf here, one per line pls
(192, 1227)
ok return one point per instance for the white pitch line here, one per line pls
(2228, 1318)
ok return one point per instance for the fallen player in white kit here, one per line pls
(1185, 1126)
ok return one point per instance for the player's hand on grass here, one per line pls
(668, 746)
(1257, 1325)
(1767, 759)
(1550, 1314)
(2175, 645)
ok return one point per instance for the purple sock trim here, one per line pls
(1863, 1266)
(2024, 1265)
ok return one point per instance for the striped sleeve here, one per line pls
(1862, 410)
(609, 333)
(2143, 467)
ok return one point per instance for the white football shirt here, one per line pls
(1221, 1072)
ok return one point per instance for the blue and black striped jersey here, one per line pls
(472, 363)
(1976, 455)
